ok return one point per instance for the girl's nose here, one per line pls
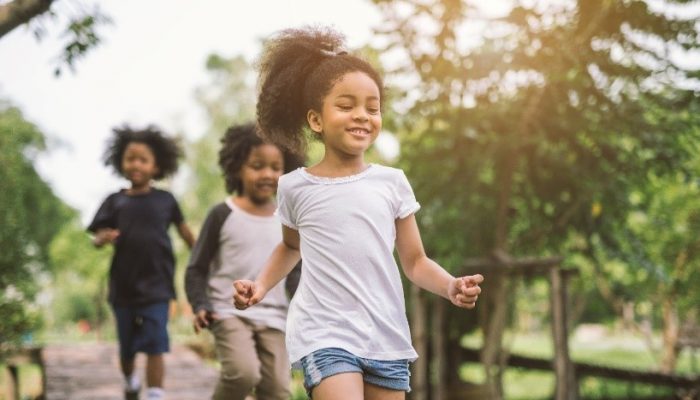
(269, 172)
(360, 116)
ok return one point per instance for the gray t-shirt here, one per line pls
(235, 245)
(350, 294)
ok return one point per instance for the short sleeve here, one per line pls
(177, 217)
(406, 200)
(105, 216)
(285, 209)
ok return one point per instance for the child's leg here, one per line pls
(345, 386)
(128, 365)
(333, 373)
(155, 370)
(275, 368)
(124, 317)
(374, 392)
(240, 366)
(151, 337)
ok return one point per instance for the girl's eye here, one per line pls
(345, 107)
(373, 110)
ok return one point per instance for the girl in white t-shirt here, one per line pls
(347, 325)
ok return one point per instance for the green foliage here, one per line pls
(30, 215)
(83, 36)
(555, 106)
(80, 276)
(229, 98)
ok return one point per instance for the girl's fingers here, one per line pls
(240, 301)
(473, 280)
(466, 302)
(471, 291)
(240, 286)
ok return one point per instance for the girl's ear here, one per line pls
(314, 120)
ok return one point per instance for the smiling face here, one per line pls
(350, 119)
(259, 174)
(139, 164)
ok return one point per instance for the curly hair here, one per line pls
(166, 150)
(236, 145)
(298, 69)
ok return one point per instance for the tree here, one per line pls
(79, 278)
(81, 26)
(30, 215)
(228, 99)
(517, 135)
(654, 257)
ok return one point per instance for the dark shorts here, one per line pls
(321, 364)
(142, 329)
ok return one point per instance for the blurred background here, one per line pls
(554, 146)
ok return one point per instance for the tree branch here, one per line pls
(18, 12)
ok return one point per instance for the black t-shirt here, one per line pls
(143, 263)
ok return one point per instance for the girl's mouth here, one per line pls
(359, 131)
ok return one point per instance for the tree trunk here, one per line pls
(18, 12)
(566, 386)
(495, 303)
(494, 311)
(670, 335)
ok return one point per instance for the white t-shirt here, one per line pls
(350, 294)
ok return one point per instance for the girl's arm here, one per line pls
(104, 236)
(426, 273)
(205, 249)
(283, 259)
(186, 234)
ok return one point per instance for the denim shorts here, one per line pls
(321, 364)
(142, 329)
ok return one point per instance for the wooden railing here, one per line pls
(685, 384)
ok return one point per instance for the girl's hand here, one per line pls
(202, 320)
(104, 236)
(247, 293)
(463, 292)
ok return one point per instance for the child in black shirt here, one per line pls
(136, 222)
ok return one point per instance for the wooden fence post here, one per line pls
(438, 383)
(419, 374)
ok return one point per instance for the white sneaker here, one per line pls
(155, 393)
(132, 387)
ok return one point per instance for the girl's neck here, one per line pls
(335, 167)
(134, 190)
(245, 203)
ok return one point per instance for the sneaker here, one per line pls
(132, 387)
(155, 393)
(131, 394)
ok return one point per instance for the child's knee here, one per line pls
(277, 390)
(241, 375)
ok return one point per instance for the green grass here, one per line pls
(623, 351)
(29, 376)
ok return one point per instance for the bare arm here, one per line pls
(426, 273)
(281, 262)
(186, 234)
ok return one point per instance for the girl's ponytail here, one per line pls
(288, 60)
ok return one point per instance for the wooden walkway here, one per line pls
(91, 372)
